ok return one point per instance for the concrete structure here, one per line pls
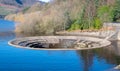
(57, 39)
(116, 26)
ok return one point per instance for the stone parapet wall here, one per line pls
(102, 34)
(117, 28)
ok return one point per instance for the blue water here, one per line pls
(17, 59)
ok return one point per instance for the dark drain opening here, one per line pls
(37, 44)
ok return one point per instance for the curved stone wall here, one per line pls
(28, 42)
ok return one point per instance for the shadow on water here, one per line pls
(110, 54)
(87, 57)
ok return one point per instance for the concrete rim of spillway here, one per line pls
(15, 42)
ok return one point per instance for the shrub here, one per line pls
(105, 13)
(97, 23)
(75, 26)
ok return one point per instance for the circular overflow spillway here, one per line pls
(59, 42)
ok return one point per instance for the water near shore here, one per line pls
(17, 59)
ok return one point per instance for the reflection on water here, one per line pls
(6, 30)
(87, 57)
(6, 34)
(17, 59)
(115, 47)
(110, 54)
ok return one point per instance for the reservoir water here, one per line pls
(17, 59)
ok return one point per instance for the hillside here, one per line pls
(14, 6)
(19, 3)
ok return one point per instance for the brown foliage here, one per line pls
(54, 16)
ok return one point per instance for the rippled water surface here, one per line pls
(17, 59)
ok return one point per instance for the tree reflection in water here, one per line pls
(111, 54)
(87, 57)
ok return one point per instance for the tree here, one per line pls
(116, 11)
